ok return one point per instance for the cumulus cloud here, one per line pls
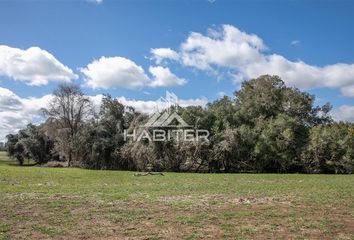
(348, 91)
(245, 56)
(110, 72)
(302, 75)
(150, 106)
(164, 78)
(9, 101)
(227, 47)
(34, 66)
(344, 113)
(159, 54)
(17, 112)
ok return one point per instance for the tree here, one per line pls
(259, 98)
(15, 148)
(36, 144)
(232, 150)
(30, 143)
(68, 109)
(280, 117)
(330, 149)
(281, 141)
(266, 127)
(101, 141)
(267, 96)
(223, 115)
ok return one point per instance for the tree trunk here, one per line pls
(70, 159)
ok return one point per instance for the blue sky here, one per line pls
(79, 33)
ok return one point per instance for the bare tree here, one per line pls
(68, 108)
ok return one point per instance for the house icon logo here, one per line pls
(165, 120)
(166, 125)
(164, 117)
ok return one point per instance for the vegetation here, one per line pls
(266, 128)
(72, 203)
(2, 147)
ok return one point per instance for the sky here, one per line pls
(199, 49)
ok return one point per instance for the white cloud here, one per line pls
(150, 106)
(95, 1)
(348, 91)
(228, 47)
(300, 74)
(9, 101)
(295, 43)
(34, 66)
(159, 54)
(221, 94)
(164, 78)
(110, 72)
(343, 113)
(96, 101)
(139, 105)
(16, 112)
(245, 56)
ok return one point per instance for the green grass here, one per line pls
(38, 202)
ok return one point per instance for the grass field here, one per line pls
(44, 203)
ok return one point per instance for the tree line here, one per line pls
(266, 127)
(2, 147)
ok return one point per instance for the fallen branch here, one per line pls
(148, 173)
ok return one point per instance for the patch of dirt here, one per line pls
(220, 199)
(207, 217)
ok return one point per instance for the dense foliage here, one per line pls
(266, 127)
